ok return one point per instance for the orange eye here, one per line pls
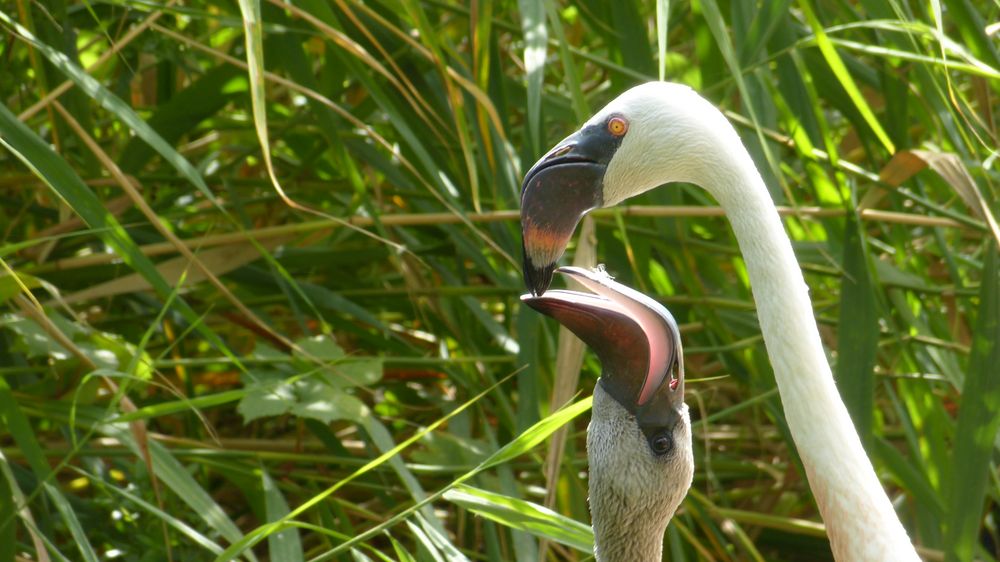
(617, 126)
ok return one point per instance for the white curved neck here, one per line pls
(860, 520)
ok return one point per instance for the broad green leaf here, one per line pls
(33, 340)
(105, 350)
(274, 393)
(269, 395)
(354, 372)
(321, 347)
(326, 404)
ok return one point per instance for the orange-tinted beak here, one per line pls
(557, 192)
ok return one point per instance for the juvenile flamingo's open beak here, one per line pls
(635, 337)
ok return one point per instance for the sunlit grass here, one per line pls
(342, 367)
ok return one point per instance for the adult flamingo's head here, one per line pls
(652, 134)
(639, 440)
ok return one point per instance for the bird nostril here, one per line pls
(560, 151)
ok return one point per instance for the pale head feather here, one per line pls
(674, 135)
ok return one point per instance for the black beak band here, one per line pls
(553, 202)
(558, 190)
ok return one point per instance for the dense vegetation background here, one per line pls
(260, 272)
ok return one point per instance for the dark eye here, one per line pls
(661, 443)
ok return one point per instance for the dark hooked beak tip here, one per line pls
(558, 191)
(537, 278)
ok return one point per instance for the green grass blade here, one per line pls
(716, 23)
(978, 421)
(183, 405)
(857, 343)
(285, 545)
(20, 429)
(8, 506)
(519, 514)
(537, 433)
(176, 476)
(252, 34)
(185, 111)
(181, 527)
(662, 20)
(520, 445)
(631, 37)
(383, 441)
(536, 37)
(114, 104)
(258, 534)
(972, 25)
(840, 70)
(579, 102)
(381, 113)
(63, 181)
(911, 476)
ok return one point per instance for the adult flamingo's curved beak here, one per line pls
(562, 187)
